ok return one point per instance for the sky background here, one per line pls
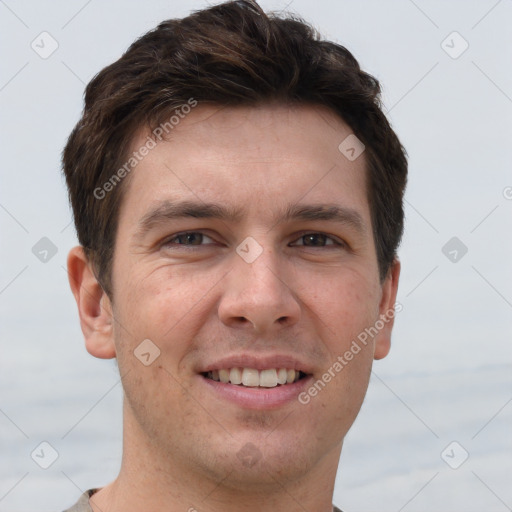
(445, 390)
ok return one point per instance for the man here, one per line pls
(237, 194)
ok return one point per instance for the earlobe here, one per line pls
(387, 311)
(94, 306)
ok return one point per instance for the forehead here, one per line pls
(254, 159)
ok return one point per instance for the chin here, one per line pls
(270, 460)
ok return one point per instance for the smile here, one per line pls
(251, 377)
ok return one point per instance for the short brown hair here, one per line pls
(230, 54)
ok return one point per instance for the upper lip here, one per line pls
(258, 362)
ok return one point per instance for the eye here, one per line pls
(317, 240)
(188, 238)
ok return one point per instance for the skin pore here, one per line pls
(225, 174)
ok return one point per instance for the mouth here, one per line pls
(253, 378)
(256, 381)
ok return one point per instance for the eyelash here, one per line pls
(168, 241)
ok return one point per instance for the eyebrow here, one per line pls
(327, 212)
(172, 210)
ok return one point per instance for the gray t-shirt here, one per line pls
(82, 505)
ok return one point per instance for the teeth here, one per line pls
(251, 377)
(281, 376)
(235, 376)
(268, 378)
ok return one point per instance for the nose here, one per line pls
(259, 296)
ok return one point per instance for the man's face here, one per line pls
(286, 279)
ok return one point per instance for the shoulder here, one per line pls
(82, 505)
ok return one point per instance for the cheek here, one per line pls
(346, 303)
(353, 384)
(346, 378)
(345, 307)
(167, 306)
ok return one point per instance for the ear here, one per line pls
(94, 306)
(387, 311)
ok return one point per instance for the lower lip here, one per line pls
(258, 398)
